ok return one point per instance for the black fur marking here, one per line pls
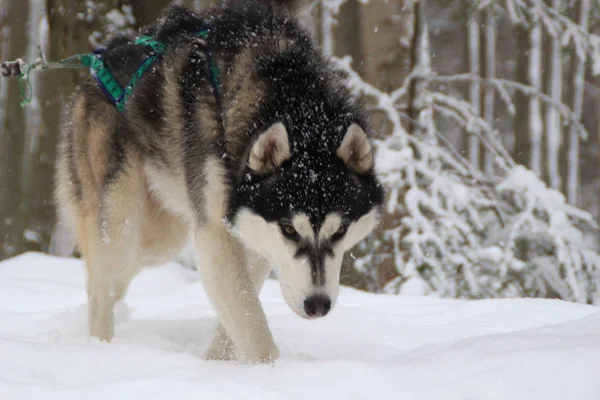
(148, 105)
(196, 88)
(74, 177)
(116, 160)
(316, 257)
(119, 131)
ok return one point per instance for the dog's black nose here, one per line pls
(317, 306)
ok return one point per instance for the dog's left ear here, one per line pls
(270, 150)
(355, 150)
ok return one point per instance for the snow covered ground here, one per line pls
(370, 347)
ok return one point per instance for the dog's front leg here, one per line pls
(220, 258)
(222, 347)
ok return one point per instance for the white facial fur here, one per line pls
(265, 238)
(330, 226)
(303, 227)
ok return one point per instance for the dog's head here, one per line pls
(302, 206)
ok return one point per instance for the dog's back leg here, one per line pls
(101, 186)
(109, 236)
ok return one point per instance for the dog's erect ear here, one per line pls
(270, 150)
(355, 150)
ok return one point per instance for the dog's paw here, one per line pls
(267, 355)
(221, 349)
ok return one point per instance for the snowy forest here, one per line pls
(486, 116)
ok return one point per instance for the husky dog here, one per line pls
(241, 139)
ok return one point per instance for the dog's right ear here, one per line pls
(270, 150)
(355, 150)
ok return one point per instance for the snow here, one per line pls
(371, 346)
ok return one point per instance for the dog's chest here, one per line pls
(169, 188)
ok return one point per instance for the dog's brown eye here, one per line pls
(290, 232)
(339, 233)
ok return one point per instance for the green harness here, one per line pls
(119, 95)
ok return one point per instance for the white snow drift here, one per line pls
(370, 347)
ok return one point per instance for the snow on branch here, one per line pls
(502, 86)
(385, 102)
(454, 231)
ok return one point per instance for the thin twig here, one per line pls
(475, 174)
(526, 89)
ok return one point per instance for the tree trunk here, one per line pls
(387, 32)
(12, 132)
(145, 11)
(553, 118)
(326, 29)
(535, 112)
(39, 147)
(490, 73)
(389, 36)
(474, 57)
(346, 34)
(578, 85)
(68, 35)
(521, 150)
(413, 108)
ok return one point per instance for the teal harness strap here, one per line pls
(157, 46)
(119, 95)
(134, 80)
(116, 93)
(105, 78)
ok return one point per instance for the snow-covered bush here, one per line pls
(451, 230)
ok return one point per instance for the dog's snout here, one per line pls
(317, 306)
